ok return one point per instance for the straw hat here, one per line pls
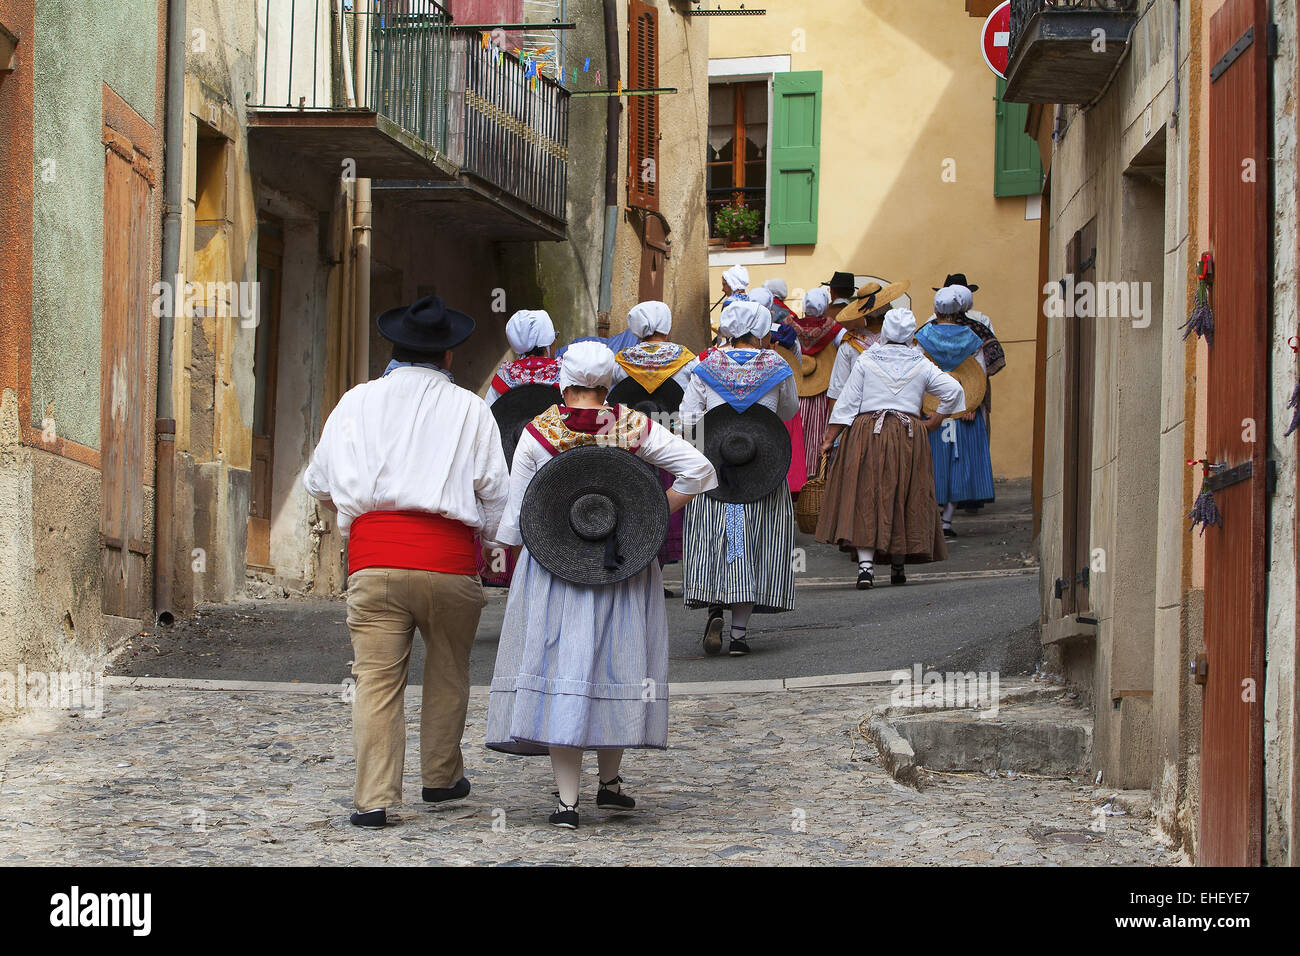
(812, 373)
(594, 516)
(872, 297)
(519, 406)
(666, 398)
(750, 450)
(972, 379)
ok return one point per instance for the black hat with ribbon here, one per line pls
(957, 278)
(519, 406)
(594, 515)
(426, 325)
(664, 399)
(842, 282)
(750, 450)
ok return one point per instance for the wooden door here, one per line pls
(125, 403)
(270, 258)
(1232, 728)
(1078, 379)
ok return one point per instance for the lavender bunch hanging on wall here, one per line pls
(1201, 321)
(1205, 511)
(1295, 414)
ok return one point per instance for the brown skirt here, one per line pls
(880, 492)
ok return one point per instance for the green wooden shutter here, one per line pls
(1017, 166)
(796, 157)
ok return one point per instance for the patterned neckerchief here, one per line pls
(560, 428)
(893, 364)
(815, 333)
(995, 359)
(533, 370)
(743, 376)
(860, 340)
(650, 364)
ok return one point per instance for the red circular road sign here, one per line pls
(995, 40)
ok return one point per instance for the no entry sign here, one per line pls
(995, 40)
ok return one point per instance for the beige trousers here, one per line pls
(385, 606)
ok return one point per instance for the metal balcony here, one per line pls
(1066, 51)
(392, 91)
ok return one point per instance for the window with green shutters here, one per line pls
(1017, 166)
(796, 159)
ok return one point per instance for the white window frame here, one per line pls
(742, 69)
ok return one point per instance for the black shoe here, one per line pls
(713, 633)
(866, 579)
(897, 576)
(607, 799)
(371, 819)
(456, 791)
(949, 533)
(738, 647)
(566, 817)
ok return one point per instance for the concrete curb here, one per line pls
(679, 689)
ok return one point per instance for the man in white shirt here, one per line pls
(414, 467)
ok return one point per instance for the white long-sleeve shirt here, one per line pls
(660, 448)
(898, 377)
(412, 441)
(700, 398)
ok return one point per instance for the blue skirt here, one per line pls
(580, 666)
(963, 470)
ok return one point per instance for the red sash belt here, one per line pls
(417, 540)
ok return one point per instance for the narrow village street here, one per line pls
(237, 748)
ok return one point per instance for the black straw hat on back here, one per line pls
(666, 398)
(842, 280)
(594, 515)
(426, 325)
(751, 452)
(516, 408)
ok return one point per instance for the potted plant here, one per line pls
(736, 224)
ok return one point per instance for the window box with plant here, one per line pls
(738, 225)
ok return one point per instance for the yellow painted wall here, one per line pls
(904, 87)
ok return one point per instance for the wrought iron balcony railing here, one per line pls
(1064, 51)
(405, 62)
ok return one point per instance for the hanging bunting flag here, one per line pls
(598, 77)
(586, 64)
(487, 38)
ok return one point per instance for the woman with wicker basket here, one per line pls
(879, 497)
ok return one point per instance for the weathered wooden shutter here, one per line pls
(1232, 721)
(643, 111)
(124, 399)
(796, 157)
(1017, 166)
(1079, 392)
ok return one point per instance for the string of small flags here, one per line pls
(537, 62)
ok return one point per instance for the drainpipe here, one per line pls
(362, 223)
(165, 420)
(612, 108)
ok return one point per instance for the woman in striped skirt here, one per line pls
(738, 556)
(586, 667)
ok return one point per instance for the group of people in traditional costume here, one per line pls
(583, 473)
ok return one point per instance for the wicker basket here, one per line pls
(808, 507)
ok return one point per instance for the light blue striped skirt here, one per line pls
(963, 470)
(580, 666)
(752, 561)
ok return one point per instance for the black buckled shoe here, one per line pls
(457, 791)
(566, 817)
(949, 533)
(897, 575)
(607, 799)
(866, 578)
(738, 647)
(713, 632)
(371, 819)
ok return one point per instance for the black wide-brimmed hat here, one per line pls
(957, 278)
(750, 451)
(842, 280)
(426, 325)
(516, 408)
(594, 515)
(664, 399)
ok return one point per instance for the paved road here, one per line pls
(969, 622)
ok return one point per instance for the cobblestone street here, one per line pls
(200, 777)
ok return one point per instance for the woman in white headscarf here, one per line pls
(880, 491)
(749, 569)
(819, 338)
(586, 667)
(531, 334)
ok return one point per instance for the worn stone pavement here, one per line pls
(206, 777)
